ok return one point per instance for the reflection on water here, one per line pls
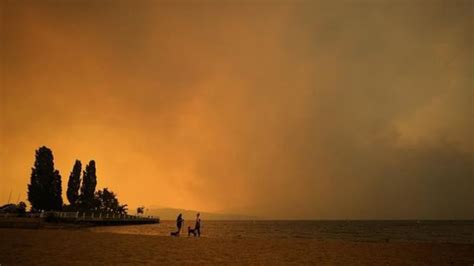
(424, 231)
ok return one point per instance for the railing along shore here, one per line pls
(87, 217)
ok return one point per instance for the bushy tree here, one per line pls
(123, 209)
(107, 202)
(89, 182)
(74, 183)
(44, 190)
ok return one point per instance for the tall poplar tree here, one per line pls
(89, 182)
(74, 183)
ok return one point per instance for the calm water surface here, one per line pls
(418, 231)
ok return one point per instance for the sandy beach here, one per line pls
(78, 246)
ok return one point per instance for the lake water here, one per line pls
(378, 231)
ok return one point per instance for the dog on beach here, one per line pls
(191, 231)
(174, 233)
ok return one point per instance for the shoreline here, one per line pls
(31, 246)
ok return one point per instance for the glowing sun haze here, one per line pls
(281, 109)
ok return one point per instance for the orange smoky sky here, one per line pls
(280, 109)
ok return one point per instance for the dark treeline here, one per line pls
(45, 190)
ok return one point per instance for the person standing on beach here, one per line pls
(197, 227)
(179, 223)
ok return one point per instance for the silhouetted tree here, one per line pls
(44, 190)
(89, 182)
(74, 183)
(107, 202)
(123, 209)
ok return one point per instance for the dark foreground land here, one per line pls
(78, 246)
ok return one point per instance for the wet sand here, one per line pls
(69, 246)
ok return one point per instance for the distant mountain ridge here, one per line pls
(172, 213)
